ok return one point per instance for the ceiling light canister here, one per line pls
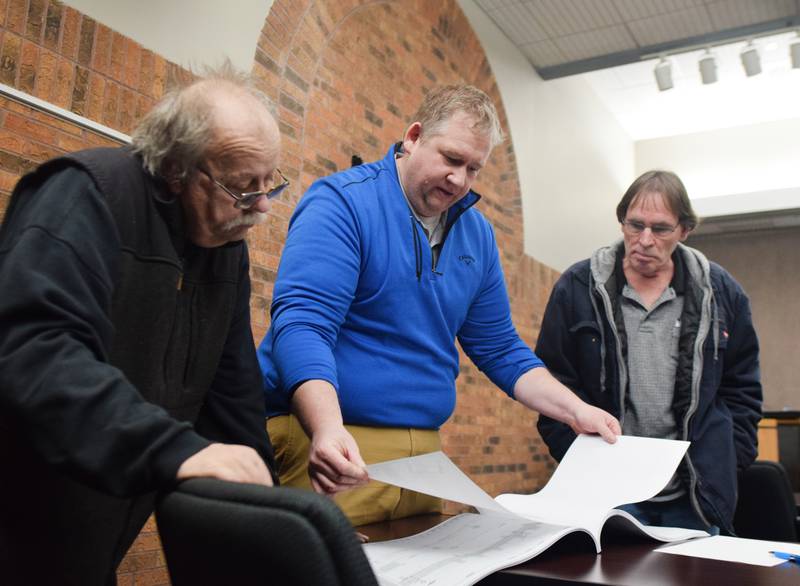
(663, 73)
(751, 60)
(708, 67)
(794, 52)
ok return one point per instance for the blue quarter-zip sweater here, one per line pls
(359, 303)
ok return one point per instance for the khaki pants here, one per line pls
(375, 501)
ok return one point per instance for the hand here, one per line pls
(589, 419)
(226, 462)
(334, 462)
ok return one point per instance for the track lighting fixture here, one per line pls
(663, 73)
(708, 67)
(751, 60)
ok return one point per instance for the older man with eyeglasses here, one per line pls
(127, 361)
(651, 331)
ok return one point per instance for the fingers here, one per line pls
(328, 478)
(361, 537)
(226, 462)
(607, 433)
(615, 426)
(335, 463)
(594, 420)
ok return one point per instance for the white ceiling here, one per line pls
(563, 37)
(629, 92)
(615, 44)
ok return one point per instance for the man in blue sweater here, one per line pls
(385, 265)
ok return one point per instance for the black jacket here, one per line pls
(124, 348)
(583, 345)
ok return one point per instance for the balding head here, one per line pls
(217, 145)
(182, 127)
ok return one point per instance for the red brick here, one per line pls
(117, 56)
(137, 562)
(80, 91)
(147, 541)
(34, 26)
(146, 72)
(46, 74)
(54, 121)
(159, 77)
(62, 90)
(156, 577)
(12, 143)
(7, 183)
(52, 25)
(17, 16)
(29, 60)
(102, 49)
(110, 104)
(133, 61)
(9, 59)
(127, 110)
(69, 143)
(97, 86)
(70, 35)
(86, 40)
(39, 152)
(28, 128)
(143, 106)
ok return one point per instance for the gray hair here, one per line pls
(174, 136)
(442, 103)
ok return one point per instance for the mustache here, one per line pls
(247, 219)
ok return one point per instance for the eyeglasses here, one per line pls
(635, 227)
(244, 201)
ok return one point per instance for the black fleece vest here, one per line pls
(173, 302)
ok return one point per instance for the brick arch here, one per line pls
(346, 77)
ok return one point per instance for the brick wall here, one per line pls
(346, 76)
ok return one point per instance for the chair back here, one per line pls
(217, 532)
(766, 508)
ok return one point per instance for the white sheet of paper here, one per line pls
(592, 478)
(460, 551)
(595, 476)
(734, 549)
(433, 474)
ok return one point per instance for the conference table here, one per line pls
(624, 561)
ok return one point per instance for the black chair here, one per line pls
(766, 507)
(217, 532)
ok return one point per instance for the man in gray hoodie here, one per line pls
(651, 331)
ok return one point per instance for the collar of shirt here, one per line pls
(433, 226)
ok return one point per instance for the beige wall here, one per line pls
(573, 158)
(748, 159)
(765, 264)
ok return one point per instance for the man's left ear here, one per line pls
(685, 233)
